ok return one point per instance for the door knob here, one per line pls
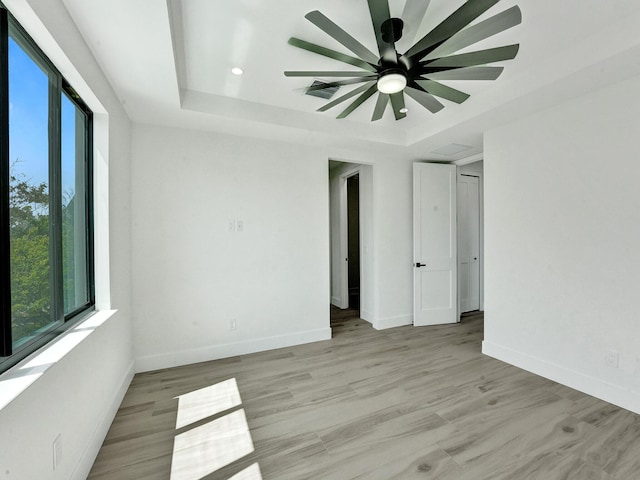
(418, 265)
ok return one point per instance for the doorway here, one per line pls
(469, 202)
(353, 240)
(351, 192)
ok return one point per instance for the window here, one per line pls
(46, 241)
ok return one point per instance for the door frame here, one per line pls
(338, 239)
(461, 164)
(468, 173)
(344, 234)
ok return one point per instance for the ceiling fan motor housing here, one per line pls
(391, 30)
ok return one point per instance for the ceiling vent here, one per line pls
(451, 149)
(325, 93)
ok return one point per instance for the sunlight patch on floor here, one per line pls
(250, 473)
(206, 402)
(206, 448)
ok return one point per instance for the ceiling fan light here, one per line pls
(392, 83)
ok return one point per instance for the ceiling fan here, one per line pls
(417, 71)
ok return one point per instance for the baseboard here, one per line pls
(88, 457)
(392, 322)
(615, 394)
(215, 352)
(365, 315)
(336, 302)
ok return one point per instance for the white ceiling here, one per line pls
(170, 62)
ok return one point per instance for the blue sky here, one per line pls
(28, 121)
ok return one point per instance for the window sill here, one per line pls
(18, 378)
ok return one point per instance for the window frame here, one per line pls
(72, 95)
(58, 86)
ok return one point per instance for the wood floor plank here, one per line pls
(404, 403)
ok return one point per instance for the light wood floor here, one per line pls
(402, 403)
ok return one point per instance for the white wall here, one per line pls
(471, 168)
(192, 275)
(78, 394)
(393, 205)
(562, 229)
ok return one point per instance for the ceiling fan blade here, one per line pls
(327, 52)
(379, 10)
(338, 34)
(339, 83)
(459, 19)
(425, 99)
(397, 102)
(413, 13)
(296, 73)
(443, 91)
(480, 57)
(381, 105)
(476, 33)
(469, 73)
(344, 97)
(359, 101)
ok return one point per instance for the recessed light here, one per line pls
(403, 110)
(237, 71)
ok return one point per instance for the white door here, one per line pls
(469, 243)
(434, 244)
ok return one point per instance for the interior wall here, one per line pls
(230, 246)
(77, 394)
(393, 205)
(562, 229)
(472, 168)
(369, 293)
